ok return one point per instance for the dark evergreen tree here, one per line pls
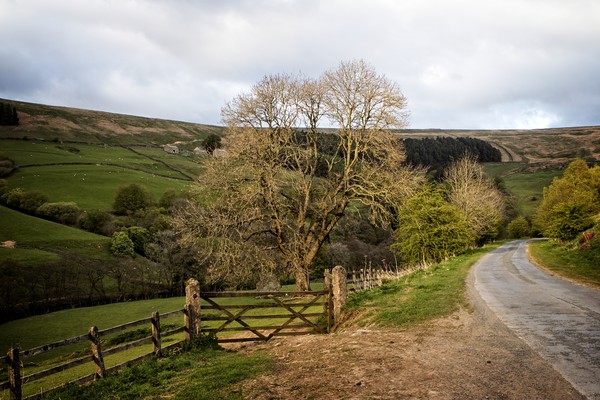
(8, 115)
(437, 153)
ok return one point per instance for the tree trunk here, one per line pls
(302, 282)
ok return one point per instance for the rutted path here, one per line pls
(558, 319)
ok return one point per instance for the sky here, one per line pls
(462, 64)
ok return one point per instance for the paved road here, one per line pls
(558, 319)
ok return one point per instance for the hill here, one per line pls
(536, 147)
(38, 121)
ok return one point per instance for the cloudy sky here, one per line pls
(481, 64)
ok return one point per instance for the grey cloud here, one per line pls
(464, 64)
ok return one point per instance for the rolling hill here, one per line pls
(38, 121)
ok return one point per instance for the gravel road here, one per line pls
(558, 319)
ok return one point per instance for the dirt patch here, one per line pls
(468, 355)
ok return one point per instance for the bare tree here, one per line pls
(476, 196)
(273, 201)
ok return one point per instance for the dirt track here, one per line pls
(469, 355)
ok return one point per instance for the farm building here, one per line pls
(171, 149)
(199, 151)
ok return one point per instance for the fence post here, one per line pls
(192, 309)
(362, 279)
(339, 292)
(97, 353)
(156, 340)
(354, 279)
(14, 374)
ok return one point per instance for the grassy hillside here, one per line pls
(31, 232)
(40, 121)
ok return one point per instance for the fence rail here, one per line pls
(15, 356)
(296, 313)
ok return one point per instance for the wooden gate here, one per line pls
(264, 314)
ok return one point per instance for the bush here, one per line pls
(140, 237)
(570, 203)
(131, 198)
(569, 219)
(30, 201)
(518, 228)
(13, 197)
(62, 212)
(96, 221)
(431, 229)
(168, 198)
(121, 245)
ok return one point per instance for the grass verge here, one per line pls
(568, 263)
(202, 371)
(419, 297)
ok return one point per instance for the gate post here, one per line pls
(14, 374)
(339, 292)
(192, 309)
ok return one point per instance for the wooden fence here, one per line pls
(285, 313)
(97, 353)
(368, 277)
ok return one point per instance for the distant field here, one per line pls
(95, 185)
(190, 165)
(89, 186)
(527, 187)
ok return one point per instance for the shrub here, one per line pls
(13, 197)
(63, 212)
(518, 228)
(95, 221)
(140, 238)
(121, 245)
(30, 201)
(570, 203)
(168, 197)
(131, 198)
(430, 229)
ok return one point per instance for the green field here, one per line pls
(29, 231)
(95, 185)
(527, 187)
(41, 242)
(89, 186)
